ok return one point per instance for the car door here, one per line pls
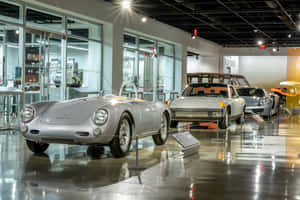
(237, 103)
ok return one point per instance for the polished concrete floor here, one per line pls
(249, 162)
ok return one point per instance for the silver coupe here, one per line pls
(259, 101)
(208, 102)
(105, 120)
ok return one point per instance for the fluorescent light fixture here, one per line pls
(144, 19)
(77, 48)
(126, 4)
(12, 46)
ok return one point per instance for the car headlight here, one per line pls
(100, 116)
(27, 114)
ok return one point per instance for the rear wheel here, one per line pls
(224, 123)
(161, 138)
(121, 142)
(36, 147)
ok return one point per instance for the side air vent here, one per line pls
(84, 134)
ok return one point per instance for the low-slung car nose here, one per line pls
(70, 113)
(196, 102)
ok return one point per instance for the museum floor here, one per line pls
(242, 163)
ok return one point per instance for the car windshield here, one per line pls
(206, 90)
(253, 92)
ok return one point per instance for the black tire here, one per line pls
(115, 144)
(37, 147)
(160, 139)
(223, 124)
(241, 120)
(174, 124)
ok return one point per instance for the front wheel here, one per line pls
(224, 123)
(36, 147)
(120, 144)
(161, 138)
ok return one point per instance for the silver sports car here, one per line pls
(259, 101)
(108, 120)
(208, 102)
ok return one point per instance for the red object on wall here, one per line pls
(262, 47)
(195, 32)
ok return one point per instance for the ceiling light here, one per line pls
(255, 30)
(289, 35)
(260, 42)
(17, 32)
(144, 19)
(194, 37)
(274, 49)
(126, 4)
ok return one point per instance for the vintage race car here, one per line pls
(259, 101)
(208, 102)
(105, 120)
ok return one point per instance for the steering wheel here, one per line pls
(128, 84)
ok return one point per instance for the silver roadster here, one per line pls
(105, 120)
(208, 102)
(259, 101)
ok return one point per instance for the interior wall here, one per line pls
(197, 64)
(264, 71)
(293, 65)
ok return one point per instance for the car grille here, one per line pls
(252, 102)
(191, 114)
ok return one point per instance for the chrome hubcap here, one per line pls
(163, 127)
(124, 135)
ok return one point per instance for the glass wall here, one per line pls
(150, 65)
(48, 57)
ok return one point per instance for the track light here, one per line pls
(289, 35)
(193, 37)
(17, 32)
(126, 4)
(144, 19)
(275, 49)
(260, 42)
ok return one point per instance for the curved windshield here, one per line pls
(206, 90)
(253, 92)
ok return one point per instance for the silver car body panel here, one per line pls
(71, 121)
(201, 108)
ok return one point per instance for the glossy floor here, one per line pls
(242, 163)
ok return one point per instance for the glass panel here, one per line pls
(10, 12)
(146, 75)
(10, 56)
(147, 45)
(83, 67)
(130, 66)
(83, 29)
(44, 20)
(165, 49)
(130, 41)
(165, 74)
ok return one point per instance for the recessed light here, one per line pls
(289, 35)
(144, 19)
(126, 4)
(194, 37)
(260, 42)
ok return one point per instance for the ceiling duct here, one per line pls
(271, 4)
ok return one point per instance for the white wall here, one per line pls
(264, 71)
(202, 64)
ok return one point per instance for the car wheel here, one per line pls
(120, 144)
(223, 124)
(161, 138)
(174, 124)
(241, 120)
(36, 147)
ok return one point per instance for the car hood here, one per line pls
(76, 111)
(197, 102)
(252, 101)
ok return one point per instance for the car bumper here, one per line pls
(261, 110)
(65, 134)
(192, 115)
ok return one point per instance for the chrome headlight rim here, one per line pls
(29, 119)
(95, 120)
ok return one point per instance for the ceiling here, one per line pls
(230, 23)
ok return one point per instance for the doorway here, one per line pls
(44, 67)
